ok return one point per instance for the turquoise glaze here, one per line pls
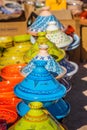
(40, 85)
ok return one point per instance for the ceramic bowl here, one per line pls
(21, 38)
(6, 42)
(9, 103)
(8, 115)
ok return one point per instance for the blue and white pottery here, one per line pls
(57, 36)
(59, 109)
(40, 85)
(52, 65)
(75, 43)
(71, 67)
(41, 22)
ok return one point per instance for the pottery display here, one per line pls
(40, 85)
(71, 67)
(57, 36)
(6, 42)
(52, 66)
(41, 22)
(58, 54)
(37, 119)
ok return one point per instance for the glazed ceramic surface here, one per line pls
(58, 37)
(40, 85)
(58, 54)
(6, 86)
(52, 66)
(41, 22)
(75, 43)
(6, 42)
(36, 119)
(12, 73)
(9, 103)
(71, 67)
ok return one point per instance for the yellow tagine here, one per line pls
(36, 119)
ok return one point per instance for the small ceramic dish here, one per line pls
(71, 67)
(8, 115)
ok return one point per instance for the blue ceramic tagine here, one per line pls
(40, 85)
(52, 65)
(41, 22)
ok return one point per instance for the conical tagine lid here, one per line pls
(52, 66)
(55, 52)
(40, 85)
(57, 36)
(36, 119)
(41, 22)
